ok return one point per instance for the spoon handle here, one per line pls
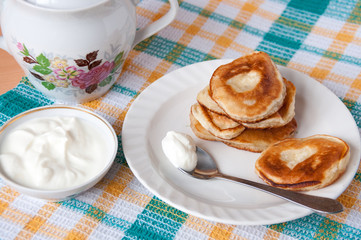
(318, 204)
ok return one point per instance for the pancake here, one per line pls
(249, 88)
(305, 163)
(204, 99)
(218, 125)
(199, 130)
(254, 140)
(284, 115)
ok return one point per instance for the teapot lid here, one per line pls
(65, 4)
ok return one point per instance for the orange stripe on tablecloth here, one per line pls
(193, 30)
(109, 109)
(23, 219)
(341, 79)
(135, 197)
(329, 33)
(332, 76)
(199, 225)
(139, 71)
(82, 229)
(159, 71)
(300, 67)
(114, 189)
(269, 15)
(323, 68)
(221, 231)
(240, 48)
(92, 104)
(355, 91)
(233, 3)
(153, 16)
(225, 40)
(149, 75)
(37, 221)
(238, 4)
(52, 231)
(118, 125)
(251, 8)
(7, 196)
(202, 34)
(214, 231)
(105, 202)
(271, 234)
(16, 216)
(337, 47)
(355, 84)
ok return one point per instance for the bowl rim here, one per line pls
(25, 189)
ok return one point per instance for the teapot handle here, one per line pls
(156, 26)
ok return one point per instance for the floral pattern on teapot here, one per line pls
(87, 74)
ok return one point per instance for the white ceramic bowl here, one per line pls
(64, 111)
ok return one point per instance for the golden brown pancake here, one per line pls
(305, 163)
(199, 130)
(278, 119)
(218, 125)
(248, 89)
(284, 115)
(206, 101)
(255, 140)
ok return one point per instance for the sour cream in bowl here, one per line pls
(56, 152)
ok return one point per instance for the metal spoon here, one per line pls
(206, 169)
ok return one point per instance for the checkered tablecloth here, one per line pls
(321, 38)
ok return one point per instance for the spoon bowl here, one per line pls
(207, 169)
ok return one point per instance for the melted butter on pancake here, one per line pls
(292, 157)
(244, 82)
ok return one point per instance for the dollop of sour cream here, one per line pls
(180, 149)
(52, 153)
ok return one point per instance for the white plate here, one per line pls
(165, 106)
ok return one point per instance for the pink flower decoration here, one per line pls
(94, 76)
(20, 46)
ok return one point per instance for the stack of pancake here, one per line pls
(247, 105)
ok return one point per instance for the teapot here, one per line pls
(73, 51)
